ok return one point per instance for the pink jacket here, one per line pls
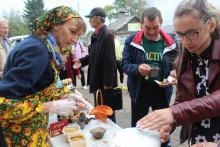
(79, 50)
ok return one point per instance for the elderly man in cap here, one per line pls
(102, 71)
(5, 46)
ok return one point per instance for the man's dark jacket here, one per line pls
(102, 69)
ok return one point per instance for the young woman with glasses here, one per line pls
(197, 101)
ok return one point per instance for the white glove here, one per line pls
(62, 107)
(81, 103)
(78, 93)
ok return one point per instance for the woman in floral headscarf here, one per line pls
(27, 90)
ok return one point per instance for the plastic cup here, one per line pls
(81, 123)
(154, 72)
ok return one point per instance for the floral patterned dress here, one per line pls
(17, 116)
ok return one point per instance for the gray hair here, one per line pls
(3, 20)
(101, 18)
(199, 9)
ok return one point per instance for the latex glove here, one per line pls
(81, 103)
(62, 107)
(78, 93)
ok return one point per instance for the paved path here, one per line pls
(123, 116)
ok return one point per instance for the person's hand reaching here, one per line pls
(156, 119)
(78, 93)
(79, 76)
(62, 107)
(165, 133)
(81, 103)
(77, 64)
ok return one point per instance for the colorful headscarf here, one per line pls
(54, 17)
(46, 22)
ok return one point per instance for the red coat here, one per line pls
(69, 68)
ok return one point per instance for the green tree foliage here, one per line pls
(17, 25)
(134, 7)
(33, 9)
(109, 10)
(89, 34)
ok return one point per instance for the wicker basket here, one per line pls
(101, 111)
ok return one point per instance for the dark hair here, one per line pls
(151, 13)
(199, 9)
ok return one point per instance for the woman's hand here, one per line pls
(165, 133)
(81, 103)
(156, 119)
(205, 144)
(62, 107)
(79, 76)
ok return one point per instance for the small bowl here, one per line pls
(98, 132)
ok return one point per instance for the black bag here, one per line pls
(111, 98)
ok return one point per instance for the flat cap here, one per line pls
(97, 11)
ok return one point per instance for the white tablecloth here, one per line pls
(111, 127)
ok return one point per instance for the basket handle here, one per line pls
(97, 96)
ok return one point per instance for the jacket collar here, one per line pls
(99, 35)
(215, 53)
(1, 38)
(97, 31)
(138, 38)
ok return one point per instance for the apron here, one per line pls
(31, 130)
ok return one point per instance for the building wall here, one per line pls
(123, 32)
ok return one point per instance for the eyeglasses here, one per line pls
(190, 35)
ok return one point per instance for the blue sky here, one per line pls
(167, 7)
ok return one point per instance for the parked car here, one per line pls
(122, 42)
(17, 39)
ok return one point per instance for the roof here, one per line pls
(119, 23)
